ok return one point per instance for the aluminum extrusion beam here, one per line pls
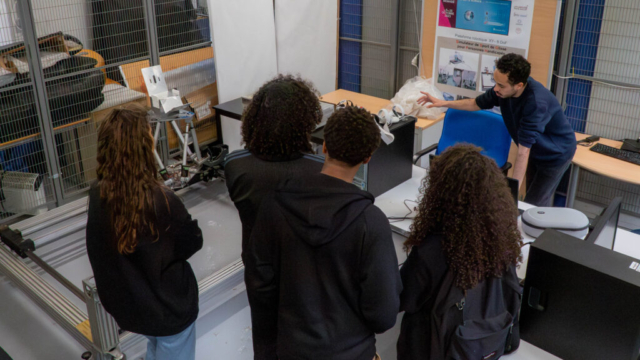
(42, 293)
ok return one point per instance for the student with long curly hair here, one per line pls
(466, 228)
(139, 237)
(276, 130)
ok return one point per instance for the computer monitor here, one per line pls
(604, 230)
(580, 300)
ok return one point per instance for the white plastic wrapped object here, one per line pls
(408, 96)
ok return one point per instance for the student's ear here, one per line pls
(518, 86)
(324, 148)
(366, 161)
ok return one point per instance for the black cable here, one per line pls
(2, 197)
(527, 243)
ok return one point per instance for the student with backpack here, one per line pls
(323, 264)
(461, 295)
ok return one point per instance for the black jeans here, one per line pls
(542, 182)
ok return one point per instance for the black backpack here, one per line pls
(483, 325)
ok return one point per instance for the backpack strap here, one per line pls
(510, 281)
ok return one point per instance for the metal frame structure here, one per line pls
(394, 46)
(582, 18)
(59, 151)
(101, 335)
(33, 53)
(566, 48)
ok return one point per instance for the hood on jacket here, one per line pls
(320, 208)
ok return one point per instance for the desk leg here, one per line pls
(219, 127)
(573, 185)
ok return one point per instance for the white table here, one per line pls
(392, 204)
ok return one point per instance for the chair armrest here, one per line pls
(423, 152)
(505, 168)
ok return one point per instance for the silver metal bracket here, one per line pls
(104, 329)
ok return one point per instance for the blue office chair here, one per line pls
(481, 128)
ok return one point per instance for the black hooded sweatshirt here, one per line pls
(152, 291)
(321, 270)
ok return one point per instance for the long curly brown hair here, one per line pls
(281, 116)
(127, 174)
(465, 197)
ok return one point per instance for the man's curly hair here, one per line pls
(516, 67)
(351, 135)
(465, 197)
(280, 118)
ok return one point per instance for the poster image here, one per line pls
(469, 80)
(487, 67)
(458, 68)
(489, 16)
(471, 35)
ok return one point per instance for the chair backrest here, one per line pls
(481, 128)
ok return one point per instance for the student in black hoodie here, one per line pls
(321, 260)
(276, 130)
(139, 237)
(464, 238)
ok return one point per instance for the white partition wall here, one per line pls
(306, 33)
(244, 43)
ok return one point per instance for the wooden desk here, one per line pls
(371, 103)
(601, 165)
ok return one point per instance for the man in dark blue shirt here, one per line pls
(535, 120)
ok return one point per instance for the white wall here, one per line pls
(306, 35)
(244, 43)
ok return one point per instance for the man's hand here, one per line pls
(466, 104)
(428, 98)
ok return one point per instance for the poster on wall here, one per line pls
(470, 36)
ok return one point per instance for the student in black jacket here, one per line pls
(323, 265)
(466, 227)
(276, 130)
(139, 237)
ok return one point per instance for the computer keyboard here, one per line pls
(623, 155)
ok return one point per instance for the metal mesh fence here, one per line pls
(86, 77)
(378, 41)
(184, 33)
(25, 184)
(91, 54)
(107, 44)
(192, 73)
(409, 42)
(377, 30)
(605, 98)
(601, 190)
(367, 31)
(181, 24)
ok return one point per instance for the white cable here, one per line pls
(597, 81)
